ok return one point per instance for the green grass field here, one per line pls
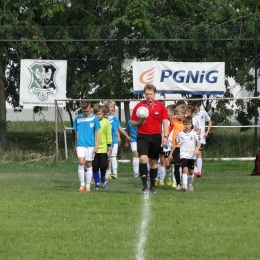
(44, 217)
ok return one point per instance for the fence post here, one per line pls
(119, 68)
(256, 69)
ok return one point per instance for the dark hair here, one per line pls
(191, 108)
(85, 104)
(180, 102)
(196, 103)
(96, 108)
(187, 119)
(105, 109)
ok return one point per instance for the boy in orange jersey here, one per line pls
(174, 156)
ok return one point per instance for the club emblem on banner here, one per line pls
(43, 79)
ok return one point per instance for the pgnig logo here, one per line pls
(180, 76)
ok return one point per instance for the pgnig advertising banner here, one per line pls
(196, 78)
(42, 81)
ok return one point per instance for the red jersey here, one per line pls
(153, 123)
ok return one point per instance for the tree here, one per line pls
(145, 30)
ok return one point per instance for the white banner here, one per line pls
(42, 81)
(196, 78)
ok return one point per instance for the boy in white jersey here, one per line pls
(189, 147)
(202, 117)
(86, 127)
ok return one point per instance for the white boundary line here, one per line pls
(144, 227)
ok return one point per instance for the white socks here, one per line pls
(173, 176)
(162, 173)
(190, 179)
(88, 176)
(114, 165)
(199, 164)
(184, 180)
(81, 175)
(135, 166)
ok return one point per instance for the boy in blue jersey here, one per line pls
(104, 147)
(116, 140)
(132, 132)
(86, 127)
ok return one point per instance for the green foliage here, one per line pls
(144, 30)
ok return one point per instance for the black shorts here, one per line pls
(176, 156)
(100, 161)
(149, 145)
(161, 150)
(187, 163)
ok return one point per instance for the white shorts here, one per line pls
(86, 152)
(133, 146)
(114, 150)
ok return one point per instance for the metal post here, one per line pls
(56, 133)
(119, 68)
(255, 94)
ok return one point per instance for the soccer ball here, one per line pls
(142, 112)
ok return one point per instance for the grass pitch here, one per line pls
(44, 217)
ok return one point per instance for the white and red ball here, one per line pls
(142, 112)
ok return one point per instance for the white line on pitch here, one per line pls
(144, 227)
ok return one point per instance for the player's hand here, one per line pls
(164, 141)
(196, 152)
(141, 121)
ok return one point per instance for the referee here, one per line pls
(149, 135)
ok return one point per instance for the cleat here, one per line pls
(152, 190)
(144, 190)
(198, 174)
(87, 189)
(156, 182)
(92, 182)
(161, 183)
(109, 177)
(168, 181)
(190, 188)
(174, 184)
(184, 188)
(97, 187)
(136, 175)
(81, 188)
(114, 176)
(178, 187)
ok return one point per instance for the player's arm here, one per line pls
(120, 128)
(127, 141)
(118, 138)
(75, 141)
(209, 126)
(165, 135)
(172, 150)
(138, 123)
(97, 141)
(196, 151)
